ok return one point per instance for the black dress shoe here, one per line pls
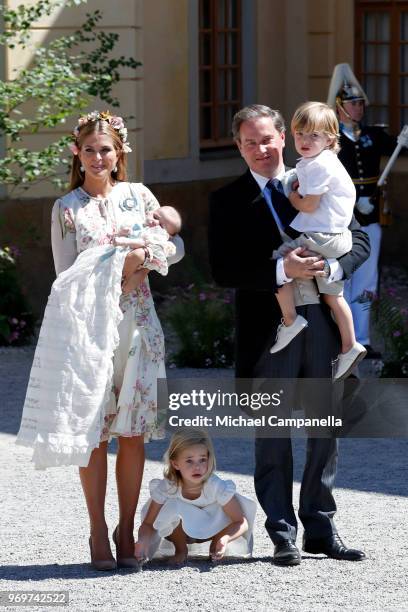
(371, 353)
(286, 553)
(333, 547)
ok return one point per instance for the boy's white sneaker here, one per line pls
(286, 333)
(347, 361)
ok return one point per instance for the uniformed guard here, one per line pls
(361, 149)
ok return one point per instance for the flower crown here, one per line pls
(115, 122)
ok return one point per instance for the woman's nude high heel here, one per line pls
(129, 562)
(104, 565)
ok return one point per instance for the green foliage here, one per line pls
(59, 83)
(16, 322)
(202, 318)
(18, 22)
(391, 321)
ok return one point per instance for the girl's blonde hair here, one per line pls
(317, 117)
(98, 127)
(180, 441)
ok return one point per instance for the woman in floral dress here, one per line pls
(100, 352)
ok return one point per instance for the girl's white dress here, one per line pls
(99, 353)
(201, 518)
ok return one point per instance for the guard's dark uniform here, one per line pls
(362, 161)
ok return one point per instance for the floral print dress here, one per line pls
(87, 263)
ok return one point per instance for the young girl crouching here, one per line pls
(191, 504)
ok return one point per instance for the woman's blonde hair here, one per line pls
(317, 117)
(180, 441)
(98, 127)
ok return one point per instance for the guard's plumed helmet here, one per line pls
(344, 87)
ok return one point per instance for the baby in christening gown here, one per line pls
(161, 224)
(192, 507)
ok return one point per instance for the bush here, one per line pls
(16, 322)
(391, 321)
(202, 318)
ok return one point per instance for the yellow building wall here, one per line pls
(330, 41)
(166, 79)
(298, 44)
(125, 17)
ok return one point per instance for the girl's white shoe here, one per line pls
(347, 361)
(286, 333)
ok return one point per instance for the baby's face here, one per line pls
(160, 217)
(153, 219)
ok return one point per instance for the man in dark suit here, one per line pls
(245, 225)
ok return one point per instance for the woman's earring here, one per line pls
(81, 169)
(115, 169)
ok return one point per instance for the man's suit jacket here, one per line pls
(242, 237)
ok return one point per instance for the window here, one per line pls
(220, 70)
(382, 60)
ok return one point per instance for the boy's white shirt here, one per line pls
(324, 175)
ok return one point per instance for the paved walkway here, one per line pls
(45, 531)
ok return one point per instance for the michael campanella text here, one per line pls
(262, 421)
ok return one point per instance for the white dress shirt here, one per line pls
(336, 271)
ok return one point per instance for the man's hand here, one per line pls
(297, 265)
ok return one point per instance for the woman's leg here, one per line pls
(129, 473)
(93, 480)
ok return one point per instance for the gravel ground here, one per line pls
(45, 531)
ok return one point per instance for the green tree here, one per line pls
(59, 83)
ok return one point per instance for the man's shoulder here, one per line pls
(243, 182)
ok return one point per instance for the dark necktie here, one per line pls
(280, 202)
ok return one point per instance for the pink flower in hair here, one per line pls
(116, 122)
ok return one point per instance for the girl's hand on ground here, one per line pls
(217, 551)
(141, 550)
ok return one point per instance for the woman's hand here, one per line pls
(134, 280)
(133, 262)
